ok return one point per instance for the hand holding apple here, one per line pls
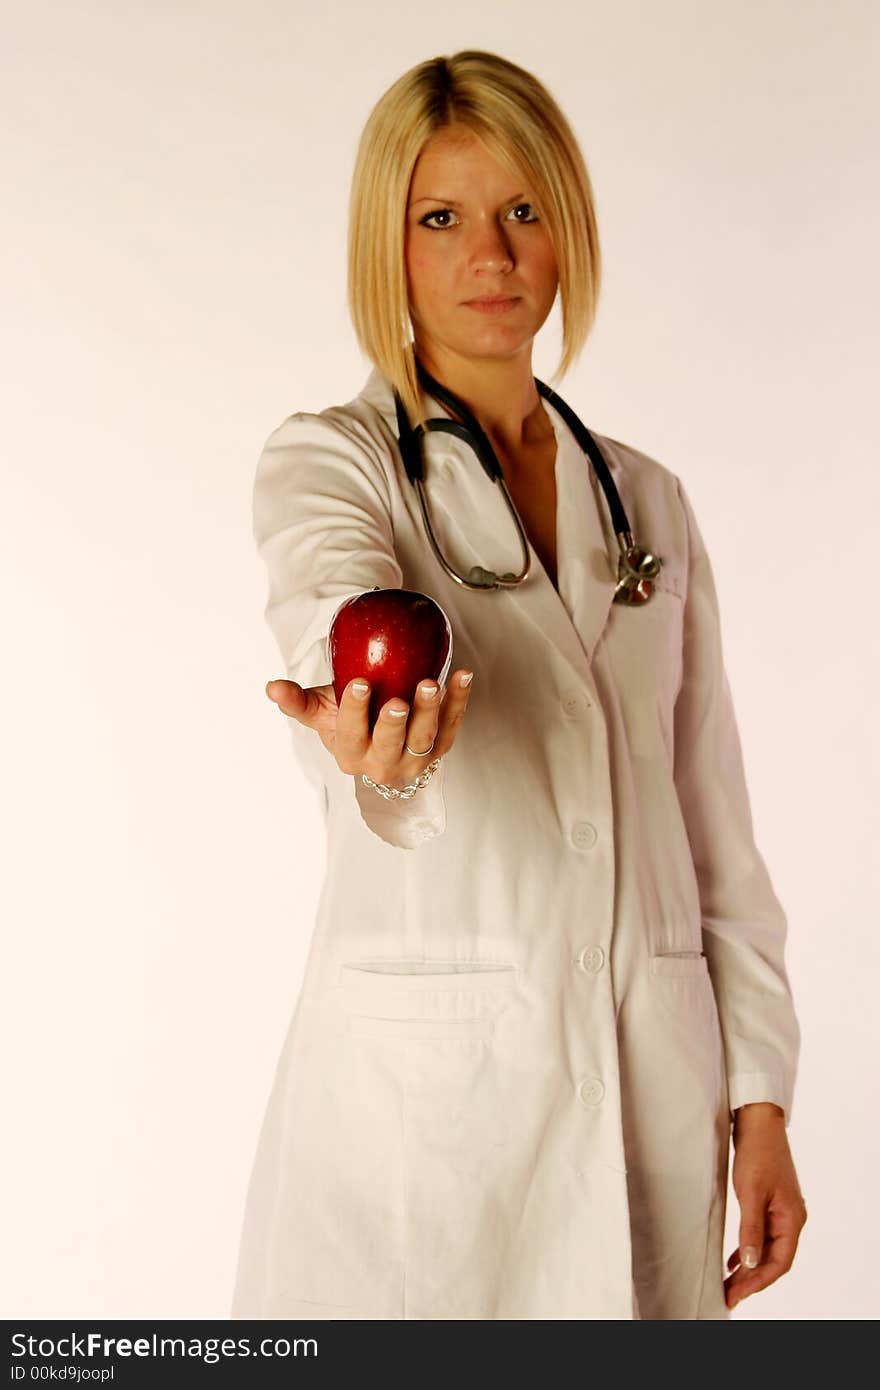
(393, 638)
(343, 719)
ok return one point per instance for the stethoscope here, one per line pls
(636, 566)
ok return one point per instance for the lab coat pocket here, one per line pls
(680, 964)
(424, 999)
(442, 1029)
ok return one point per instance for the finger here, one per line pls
(745, 1277)
(421, 728)
(777, 1259)
(352, 741)
(744, 1280)
(452, 711)
(389, 733)
(293, 700)
(751, 1282)
(752, 1227)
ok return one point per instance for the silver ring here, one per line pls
(420, 755)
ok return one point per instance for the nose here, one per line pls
(490, 248)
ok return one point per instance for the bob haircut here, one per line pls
(521, 125)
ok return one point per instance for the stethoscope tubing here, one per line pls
(472, 433)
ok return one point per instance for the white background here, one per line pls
(176, 181)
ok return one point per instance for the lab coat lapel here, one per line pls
(586, 546)
(474, 527)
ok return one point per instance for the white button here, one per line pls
(591, 1090)
(591, 959)
(583, 834)
(575, 701)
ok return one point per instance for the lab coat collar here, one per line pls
(469, 512)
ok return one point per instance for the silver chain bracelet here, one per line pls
(402, 793)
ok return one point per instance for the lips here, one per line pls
(494, 306)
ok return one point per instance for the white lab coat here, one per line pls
(507, 1086)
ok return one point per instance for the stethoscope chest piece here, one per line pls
(637, 569)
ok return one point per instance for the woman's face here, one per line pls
(472, 230)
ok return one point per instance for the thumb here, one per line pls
(751, 1233)
(290, 698)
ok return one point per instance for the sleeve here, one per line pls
(322, 526)
(744, 925)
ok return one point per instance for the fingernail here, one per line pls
(429, 691)
(269, 685)
(466, 678)
(360, 688)
(750, 1256)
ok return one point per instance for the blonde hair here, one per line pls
(524, 129)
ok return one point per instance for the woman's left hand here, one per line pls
(772, 1208)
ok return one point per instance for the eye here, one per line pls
(438, 212)
(534, 218)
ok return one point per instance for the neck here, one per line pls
(501, 394)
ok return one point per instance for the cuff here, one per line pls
(744, 1087)
(405, 824)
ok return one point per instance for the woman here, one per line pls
(509, 1083)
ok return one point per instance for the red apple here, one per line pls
(393, 637)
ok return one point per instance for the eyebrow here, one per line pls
(451, 203)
